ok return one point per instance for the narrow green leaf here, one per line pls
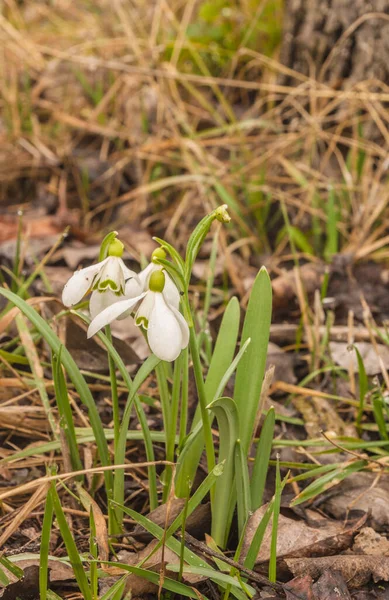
(222, 357)
(261, 461)
(65, 411)
(45, 548)
(251, 369)
(274, 532)
(242, 487)
(227, 418)
(70, 545)
(363, 387)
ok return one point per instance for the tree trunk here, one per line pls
(338, 42)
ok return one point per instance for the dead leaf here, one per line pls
(90, 354)
(343, 356)
(331, 585)
(362, 492)
(284, 286)
(356, 570)
(27, 587)
(283, 363)
(300, 588)
(99, 520)
(371, 543)
(297, 538)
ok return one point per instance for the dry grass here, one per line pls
(115, 113)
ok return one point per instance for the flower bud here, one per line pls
(157, 281)
(116, 248)
(158, 253)
(221, 214)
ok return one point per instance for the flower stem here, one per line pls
(114, 391)
(209, 448)
(166, 410)
(184, 397)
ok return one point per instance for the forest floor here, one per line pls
(142, 120)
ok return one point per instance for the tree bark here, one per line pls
(337, 42)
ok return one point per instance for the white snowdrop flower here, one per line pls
(170, 291)
(108, 280)
(167, 330)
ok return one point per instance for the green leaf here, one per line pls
(70, 545)
(251, 369)
(328, 481)
(227, 418)
(65, 411)
(274, 532)
(261, 461)
(242, 487)
(45, 548)
(222, 356)
(363, 387)
(256, 542)
(173, 253)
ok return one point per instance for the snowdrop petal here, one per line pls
(99, 301)
(80, 283)
(111, 276)
(171, 293)
(133, 287)
(127, 273)
(143, 314)
(183, 326)
(164, 332)
(111, 313)
(144, 275)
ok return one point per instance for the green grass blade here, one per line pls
(242, 482)
(256, 542)
(116, 591)
(251, 369)
(328, 480)
(45, 548)
(274, 532)
(65, 411)
(261, 461)
(70, 545)
(363, 387)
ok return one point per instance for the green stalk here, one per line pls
(114, 391)
(184, 396)
(210, 451)
(167, 421)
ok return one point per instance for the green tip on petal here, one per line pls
(158, 253)
(221, 214)
(116, 248)
(157, 281)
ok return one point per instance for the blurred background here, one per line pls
(143, 116)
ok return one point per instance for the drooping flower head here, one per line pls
(167, 330)
(108, 279)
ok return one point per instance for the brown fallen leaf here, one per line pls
(331, 585)
(284, 286)
(297, 538)
(27, 587)
(300, 588)
(362, 492)
(139, 586)
(356, 570)
(90, 354)
(343, 356)
(197, 524)
(283, 363)
(371, 543)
